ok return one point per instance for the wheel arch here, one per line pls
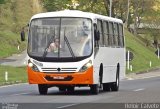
(118, 70)
(101, 72)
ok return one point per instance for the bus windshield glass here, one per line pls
(60, 37)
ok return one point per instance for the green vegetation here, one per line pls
(15, 75)
(142, 54)
(15, 14)
(9, 43)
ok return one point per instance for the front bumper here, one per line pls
(76, 78)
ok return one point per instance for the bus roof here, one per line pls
(75, 13)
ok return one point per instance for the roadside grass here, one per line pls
(15, 75)
(9, 43)
(142, 54)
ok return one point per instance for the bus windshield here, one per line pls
(60, 37)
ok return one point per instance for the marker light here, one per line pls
(38, 63)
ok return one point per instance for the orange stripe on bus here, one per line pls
(78, 77)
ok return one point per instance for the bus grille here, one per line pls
(59, 70)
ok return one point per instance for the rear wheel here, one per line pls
(43, 89)
(115, 85)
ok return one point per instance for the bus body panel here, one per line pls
(75, 13)
(110, 57)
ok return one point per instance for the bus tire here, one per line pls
(106, 86)
(62, 89)
(115, 85)
(43, 89)
(70, 88)
(94, 89)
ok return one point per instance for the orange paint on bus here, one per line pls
(78, 77)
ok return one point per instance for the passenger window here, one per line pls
(116, 34)
(106, 33)
(100, 29)
(121, 37)
(110, 33)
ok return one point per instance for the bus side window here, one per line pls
(120, 38)
(110, 33)
(106, 33)
(116, 34)
(100, 29)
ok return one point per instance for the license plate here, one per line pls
(58, 77)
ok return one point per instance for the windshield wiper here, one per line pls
(50, 41)
(68, 44)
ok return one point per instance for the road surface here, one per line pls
(137, 88)
(15, 60)
(131, 91)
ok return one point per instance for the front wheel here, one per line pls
(43, 89)
(94, 89)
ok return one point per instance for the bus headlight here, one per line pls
(30, 64)
(86, 66)
(33, 66)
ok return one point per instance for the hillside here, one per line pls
(14, 15)
(142, 54)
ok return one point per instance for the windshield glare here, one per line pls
(60, 37)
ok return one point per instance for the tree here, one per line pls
(127, 14)
(55, 5)
(152, 20)
(131, 11)
(2, 1)
(95, 6)
(139, 10)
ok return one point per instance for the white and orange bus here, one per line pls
(91, 51)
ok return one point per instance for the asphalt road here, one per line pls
(15, 60)
(131, 91)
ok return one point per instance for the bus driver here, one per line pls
(54, 46)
